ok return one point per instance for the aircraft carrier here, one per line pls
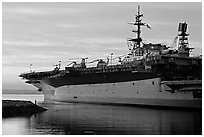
(150, 74)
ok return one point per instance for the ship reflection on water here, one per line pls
(64, 118)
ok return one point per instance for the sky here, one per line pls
(41, 34)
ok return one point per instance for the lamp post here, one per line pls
(30, 67)
(59, 64)
(111, 58)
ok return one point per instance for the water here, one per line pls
(76, 118)
(28, 97)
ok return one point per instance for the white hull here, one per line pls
(142, 92)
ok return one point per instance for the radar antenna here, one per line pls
(183, 44)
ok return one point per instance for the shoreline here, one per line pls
(11, 108)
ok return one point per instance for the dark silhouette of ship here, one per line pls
(151, 74)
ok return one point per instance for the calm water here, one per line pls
(76, 118)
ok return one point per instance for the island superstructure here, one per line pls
(151, 74)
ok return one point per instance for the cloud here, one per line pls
(25, 9)
(25, 43)
(30, 11)
(179, 6)
(67, 26)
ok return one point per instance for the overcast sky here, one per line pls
(44, 33)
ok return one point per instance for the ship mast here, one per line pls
(138, 23)
(135, 43)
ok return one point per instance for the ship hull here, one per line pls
(149, 92)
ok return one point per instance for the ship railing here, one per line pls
(37, 75)
(112, 68)
(36, 71)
